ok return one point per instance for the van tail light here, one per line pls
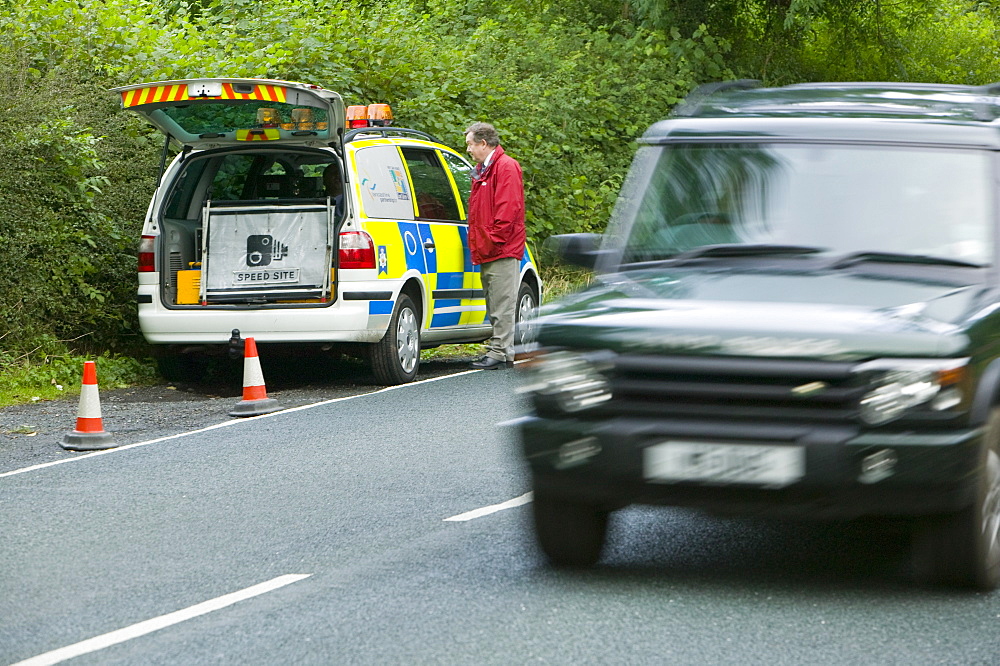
(147, 261)
(356, 250)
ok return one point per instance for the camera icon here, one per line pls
(262, 249)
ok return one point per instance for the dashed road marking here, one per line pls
(493, 508)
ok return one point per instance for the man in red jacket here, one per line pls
(496, 237)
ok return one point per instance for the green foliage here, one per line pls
(557, 92)
(947, 42)
(786, 41)
(64, 258)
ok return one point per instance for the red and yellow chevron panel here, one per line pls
(178, 93)
(257, 135)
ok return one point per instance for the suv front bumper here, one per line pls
(602, 463)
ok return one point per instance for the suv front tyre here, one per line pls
(570, 533)
(963, 548)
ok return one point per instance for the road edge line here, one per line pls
(225, 424)
(161, 622)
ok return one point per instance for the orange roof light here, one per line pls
(379, 115)
(373, 115)
(303, 118)
(357, 116)
(268, 117)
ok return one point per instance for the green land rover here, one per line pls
(795, 312)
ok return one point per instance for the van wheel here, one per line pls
(963, 548)
(570, 533)
(188, 368)
(524, 312)
(396, 357)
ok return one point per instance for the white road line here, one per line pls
(487, 510)
(225, 424)
(157, 623)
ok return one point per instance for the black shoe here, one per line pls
(490, 363)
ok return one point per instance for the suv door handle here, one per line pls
(429, 244)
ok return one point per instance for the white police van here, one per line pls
(246, 235)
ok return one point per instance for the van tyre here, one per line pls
(571, 534)
(963, 549)
(524, 312)
(396, 357)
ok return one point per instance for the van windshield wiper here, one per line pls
(853, 258)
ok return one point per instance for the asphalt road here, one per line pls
(354, 496)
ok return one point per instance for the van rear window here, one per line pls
(210, 118)
(246, 176)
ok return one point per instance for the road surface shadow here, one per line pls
(657, 544)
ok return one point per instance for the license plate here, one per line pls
(266, 276)
(754, 464)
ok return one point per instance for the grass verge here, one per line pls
(56, 376)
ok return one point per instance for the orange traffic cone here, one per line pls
(255, 400)
(89, 434)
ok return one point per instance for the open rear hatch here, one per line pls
(207, 113)
(273, 241)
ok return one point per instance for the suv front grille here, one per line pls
(732, 388)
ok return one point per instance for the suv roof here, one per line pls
(890, 112)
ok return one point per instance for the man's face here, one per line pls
(479, 151)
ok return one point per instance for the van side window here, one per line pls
(179, 201)
(462, 173)
(383, 189)
(435, 197)
(230, 179)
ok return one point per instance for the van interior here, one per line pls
(258, 188)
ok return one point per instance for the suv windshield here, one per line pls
(842, 199)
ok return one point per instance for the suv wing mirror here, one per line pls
(582, 249)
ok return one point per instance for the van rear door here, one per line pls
(210, 113)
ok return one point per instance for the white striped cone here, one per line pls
(255, 400)
(89, 434)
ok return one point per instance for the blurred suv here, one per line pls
(796, 312)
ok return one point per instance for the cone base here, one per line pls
(88, 441)
(255, 407)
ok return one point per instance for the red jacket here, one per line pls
(496, 210)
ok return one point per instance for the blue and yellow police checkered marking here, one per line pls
(447, 265)
(380, 307)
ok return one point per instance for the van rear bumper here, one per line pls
(342, 321)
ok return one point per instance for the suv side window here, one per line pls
(462, 173)
(435, 196)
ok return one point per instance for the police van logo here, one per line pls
(263, 249)
(383, 260)
(399, 183)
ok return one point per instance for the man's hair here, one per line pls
(484, 132)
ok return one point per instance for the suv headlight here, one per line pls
(575, 381)
(899, 385)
